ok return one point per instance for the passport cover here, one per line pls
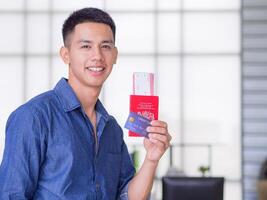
(146, 106)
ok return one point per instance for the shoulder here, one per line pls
(35, 107)
(112, 120)
(42, 100)
(114, 125)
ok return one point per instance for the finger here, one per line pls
(159, 123)
(158, 143)
(157, 129)
(165, 139)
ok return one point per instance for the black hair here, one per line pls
(86, 15)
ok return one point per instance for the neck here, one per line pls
(87, 96)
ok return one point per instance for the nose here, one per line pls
(96, 54)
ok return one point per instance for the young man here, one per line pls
(63, 144)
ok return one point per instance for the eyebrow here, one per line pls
(89, 41)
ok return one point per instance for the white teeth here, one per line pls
(95, 69)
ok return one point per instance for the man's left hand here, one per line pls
(158, 140)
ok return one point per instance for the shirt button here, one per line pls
(97, 186)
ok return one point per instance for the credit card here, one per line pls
(137, 123)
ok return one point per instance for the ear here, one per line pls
(64, 54)
(115, 55)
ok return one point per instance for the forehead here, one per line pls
(93, 30)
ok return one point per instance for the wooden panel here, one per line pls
(254, 28)
(254, 3)
(254, 70)
(254, 95)
(259, 14)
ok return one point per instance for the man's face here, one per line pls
(90, 53)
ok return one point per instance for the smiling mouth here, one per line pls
(95, 69)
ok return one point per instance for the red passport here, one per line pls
(147, 106)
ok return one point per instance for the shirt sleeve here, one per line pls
(124, 193)
(23, 155)
(127, 173)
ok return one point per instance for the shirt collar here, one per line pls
(69, 100)
(101, 110)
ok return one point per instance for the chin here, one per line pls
(94, 85)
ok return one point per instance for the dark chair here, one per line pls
(192, 188)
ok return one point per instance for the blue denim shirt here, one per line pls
(51, 152)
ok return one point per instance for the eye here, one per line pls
(86, 46)
(106, 46)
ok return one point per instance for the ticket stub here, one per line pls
(143, 83)
(137, 124)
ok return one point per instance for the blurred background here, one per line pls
(209, 61)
